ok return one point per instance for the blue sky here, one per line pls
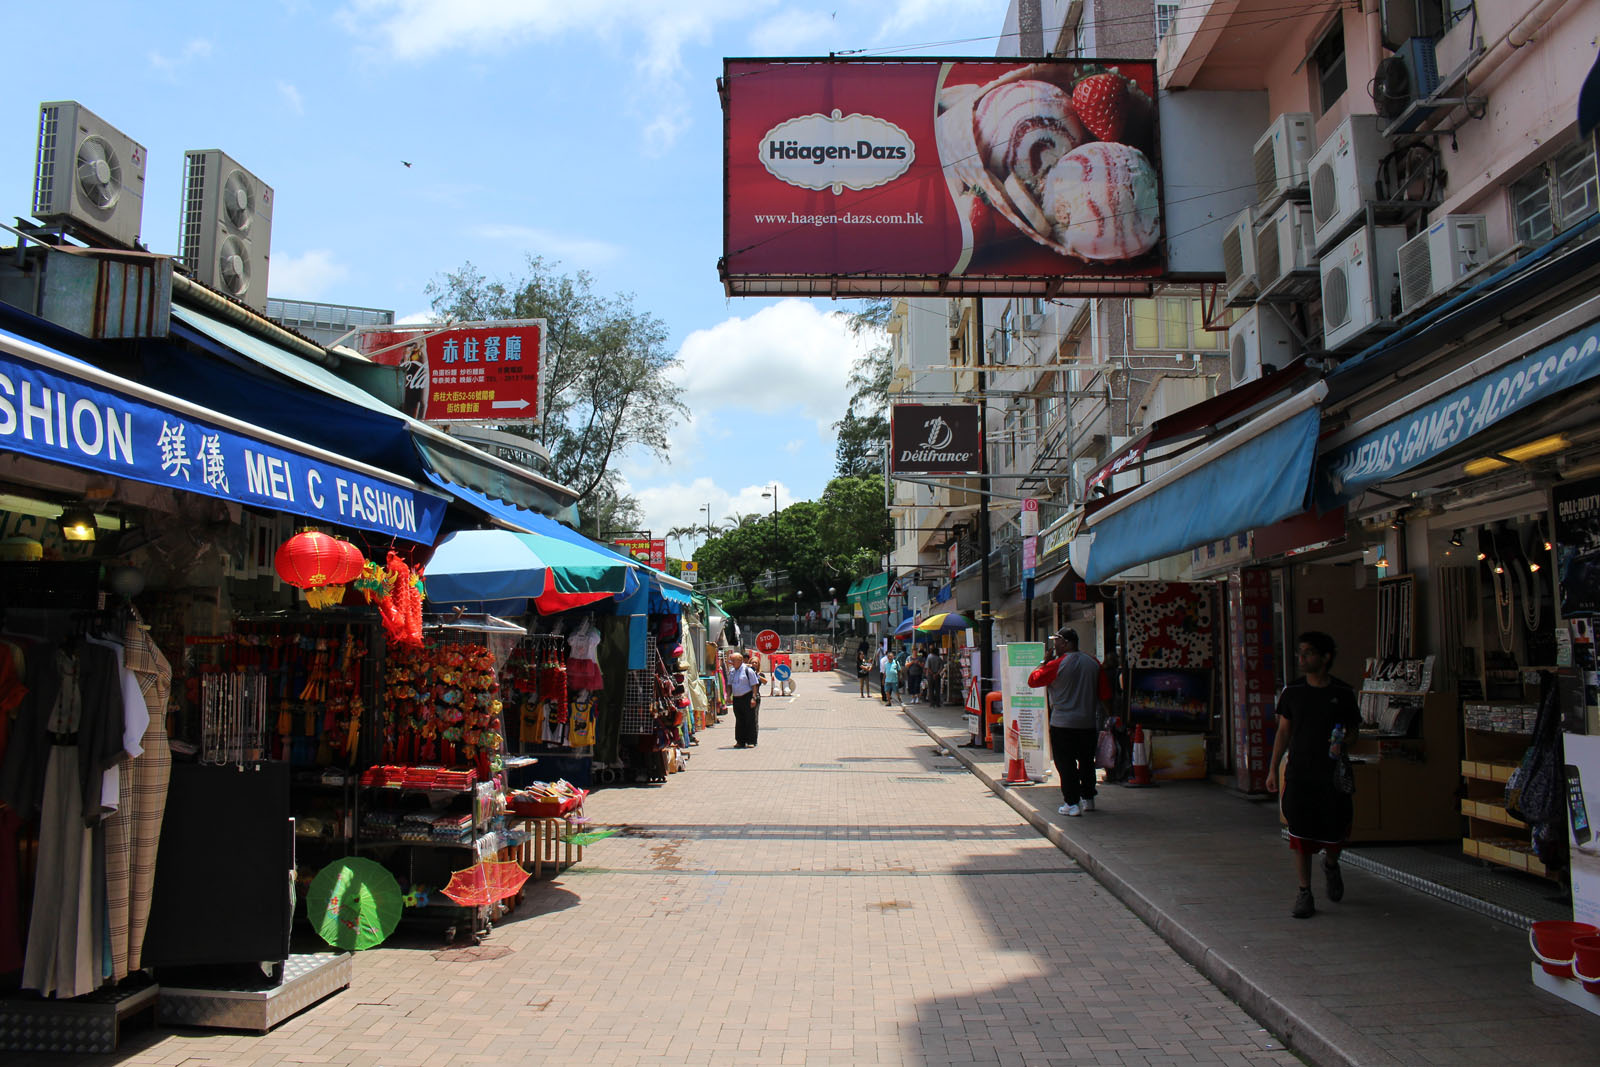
(586, 132)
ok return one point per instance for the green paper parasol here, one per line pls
(353, 903)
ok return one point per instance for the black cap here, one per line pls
(1067, 633)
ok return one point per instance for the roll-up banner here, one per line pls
(940, 176)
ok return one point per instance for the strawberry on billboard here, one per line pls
(464, 372)
(927, 175)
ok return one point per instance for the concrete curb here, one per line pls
(1300, 1034)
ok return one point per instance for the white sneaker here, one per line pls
(1069, 809)
(1088, 804)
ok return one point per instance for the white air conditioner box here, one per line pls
(1280, 157)
(88, 172)
(1286, 254)
(225, 226)
(1437, 258)
(1259, 342)
(1360, 275)
(1344, 176)
(1239, 259)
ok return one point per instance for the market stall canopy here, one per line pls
(943, 623)
(869, 596)
(424, 449)
(485, 565)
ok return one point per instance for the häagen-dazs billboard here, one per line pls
(940, 176)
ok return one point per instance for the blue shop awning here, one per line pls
(364, 422)
(57, 408)
(1256, 475)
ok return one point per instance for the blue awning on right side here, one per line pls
(1255, 476)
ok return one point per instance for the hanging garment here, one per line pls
(28, 748)
(580, 726)
(583, 665)
(144, 796)
(63, 955)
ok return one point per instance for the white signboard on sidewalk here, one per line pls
(1025, 706)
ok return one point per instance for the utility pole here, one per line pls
(985, 614)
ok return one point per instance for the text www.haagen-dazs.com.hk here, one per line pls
(794, 218)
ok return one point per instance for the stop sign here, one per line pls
(767, 641)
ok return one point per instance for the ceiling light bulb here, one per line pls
(1482, 555)
(1533, 567)
(1499, 568)
(77, 524)
(1547, 545)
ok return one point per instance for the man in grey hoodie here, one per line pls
(1075, 688)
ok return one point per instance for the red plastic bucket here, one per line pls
(1586, 961)
(1552, 944)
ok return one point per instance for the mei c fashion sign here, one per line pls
(78, 422)
(935, 439)
(932, 175)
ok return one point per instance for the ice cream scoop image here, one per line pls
(1024, 126)
(1102, 202)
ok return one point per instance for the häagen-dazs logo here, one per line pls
(939, 433)
(837, 151)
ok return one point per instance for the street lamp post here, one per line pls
(773, 493)
(797, 622)
(833, 616)
(707, 509)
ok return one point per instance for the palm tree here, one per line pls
(735, 522)
(678, 533)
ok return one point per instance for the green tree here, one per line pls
(865, 426)
(607, 389)
(606, 510)
(854, 526)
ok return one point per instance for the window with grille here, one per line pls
(1555, 195)
(1328, 69)
(1175, 324)
(1166, 17)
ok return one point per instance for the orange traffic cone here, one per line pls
(1016, 767)
(1141, 759)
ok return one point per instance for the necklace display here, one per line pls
(1504, 611)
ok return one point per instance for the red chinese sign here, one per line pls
(468, 372)
(767, 641)
(650, 552)
(1254, 676)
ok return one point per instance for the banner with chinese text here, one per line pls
(466, 372)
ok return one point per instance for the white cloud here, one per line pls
(787, 32)
(929, 14)
(789, 355)
(292, 97)
(668, 507)
(423, 29)
(414, 318)
(308, 276)
(195, 48)
(584, 251)
(794, 446)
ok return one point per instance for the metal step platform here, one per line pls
(307, 979)
(91, 1023)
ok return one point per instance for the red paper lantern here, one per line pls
(311, 559)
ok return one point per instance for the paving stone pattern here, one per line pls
(839, 894)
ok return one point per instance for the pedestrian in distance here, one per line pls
(1318, 716)
(891, 678)
(1076, 690)
(913, 677)
(933, 677)
(863, 669)
(744, 682)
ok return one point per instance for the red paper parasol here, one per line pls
(485, 883)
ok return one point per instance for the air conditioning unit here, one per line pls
(1401, 80)
(1437, 258)
(1359, 277)
(1239, 259)
(88, 173)
(225, 229)
(1280, 157)
(1258, 343)
(1286, 255)
(1344, 175)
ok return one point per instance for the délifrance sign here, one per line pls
(935, 439)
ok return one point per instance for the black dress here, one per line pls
(1312, 806)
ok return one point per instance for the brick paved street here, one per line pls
(840, 894)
